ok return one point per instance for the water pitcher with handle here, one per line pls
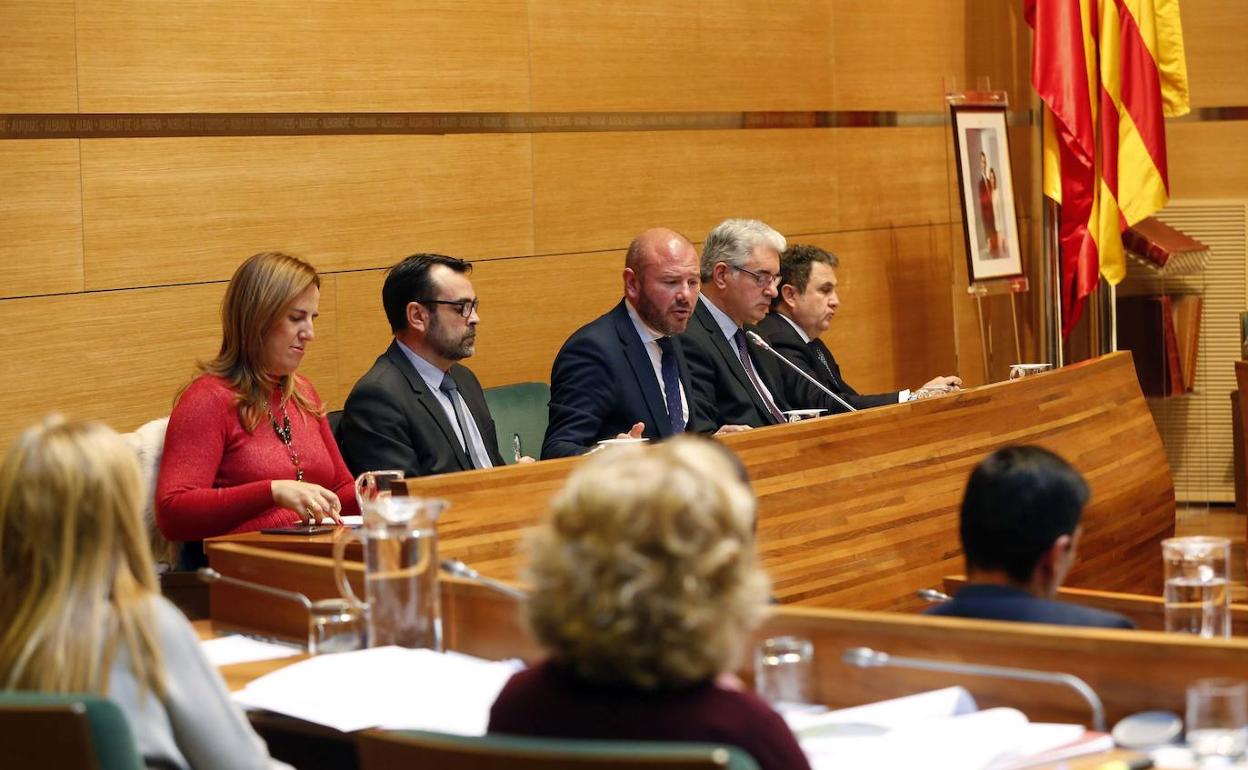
(400, 544)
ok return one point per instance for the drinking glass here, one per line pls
(1217, 718)
(1198, 599)
(782, 670)
(335, 626)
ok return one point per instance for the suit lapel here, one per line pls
(729, 353)
(643, 370)
(428, 402)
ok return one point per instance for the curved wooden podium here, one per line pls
(860, 510)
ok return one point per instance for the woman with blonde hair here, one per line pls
(645, 587)
(248, 446)
(80, 610)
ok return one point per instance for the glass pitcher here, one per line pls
(372, 486)
(1198, 596)
(400, 545)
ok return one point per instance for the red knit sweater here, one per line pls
(215, 476)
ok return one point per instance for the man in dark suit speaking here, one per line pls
(802, 310)
(417, 409)
(1020, 532)
(624, 374)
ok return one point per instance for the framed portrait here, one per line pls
(986, 182)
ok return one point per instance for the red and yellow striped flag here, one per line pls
(1109, 72)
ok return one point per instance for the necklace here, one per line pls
(284, 435)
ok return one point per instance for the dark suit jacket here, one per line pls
(602, 383)
(784, 338)
(996, 602)
(391, 420)
(724, 392)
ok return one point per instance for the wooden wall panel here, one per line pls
(40, 218)
(295, 56)
(681, 55)
(1214, 32)
(529, 307)
(894, 177)
(194, 208)
(597, 191)
(37, 56)
(1208, 160)
(897, 54)
(121, 356)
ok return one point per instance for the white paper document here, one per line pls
(387, 687)
(938, 730)
(228, 650)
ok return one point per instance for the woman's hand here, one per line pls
(313, 502)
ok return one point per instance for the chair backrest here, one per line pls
(65, 731)
(520, 415)
(402, 750)
(148, 443)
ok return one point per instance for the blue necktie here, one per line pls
(671, 385)
(451, 389)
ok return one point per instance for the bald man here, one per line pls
(624, 373)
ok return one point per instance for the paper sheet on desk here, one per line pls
(938, 730)
(228, 650)
(388, 687)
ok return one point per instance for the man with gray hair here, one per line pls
(733, 383)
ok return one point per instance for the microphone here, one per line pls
(865, 657)
(459, 569)
(210, 575)
(762, 343)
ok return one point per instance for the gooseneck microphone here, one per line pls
(762, 343)
(459, 569)
(865, 657)
(210, 575)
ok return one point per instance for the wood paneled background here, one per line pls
(114, 252)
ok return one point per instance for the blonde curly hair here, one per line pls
(644, 571)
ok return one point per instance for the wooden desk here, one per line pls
(861, 510)
(1131, 670)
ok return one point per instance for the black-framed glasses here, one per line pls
(761, 279)
(465, 307)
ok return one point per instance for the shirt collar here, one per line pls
(431, 374)
(726, 325)
(644, 331)
(805, 337)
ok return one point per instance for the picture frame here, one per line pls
(986, 189)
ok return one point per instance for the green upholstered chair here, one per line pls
(406, 749)
(65, 731)
(520, 415)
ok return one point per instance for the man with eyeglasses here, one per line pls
(736, 383)
(418, 409)
(624, 374)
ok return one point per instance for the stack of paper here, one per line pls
(391, 688)
(228, 650)
(939, 730)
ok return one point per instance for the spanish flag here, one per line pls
(1109, 72)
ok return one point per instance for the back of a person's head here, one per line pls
(644, 572)
(1018, 501)
(74, 559)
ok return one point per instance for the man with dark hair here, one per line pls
(625, 374)
(417, 409)
(802, 309)
(1020, 530)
